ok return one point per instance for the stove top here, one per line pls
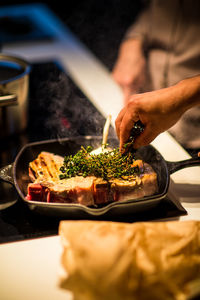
(57, 109)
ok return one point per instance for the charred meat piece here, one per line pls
(136, 187)
(46, 165)
(46, 185)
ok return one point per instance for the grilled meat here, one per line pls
(47, 187)
(45, 166)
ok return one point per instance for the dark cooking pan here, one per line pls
(17, 174)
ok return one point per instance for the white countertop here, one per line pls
(29, 269)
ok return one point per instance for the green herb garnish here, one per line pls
(107, 165)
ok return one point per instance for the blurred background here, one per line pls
(58, 105)
(100, 25)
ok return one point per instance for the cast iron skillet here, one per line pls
(17, 174)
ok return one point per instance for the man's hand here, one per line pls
(157, 110)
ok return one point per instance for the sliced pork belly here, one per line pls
(74, 190)
(44, 172)
(102, 192)
(47, 187)
(139, 187)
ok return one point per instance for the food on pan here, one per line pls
(90, 179)
(145, 260)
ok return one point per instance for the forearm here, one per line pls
(130, 48)
(157, 110)
(174, 101)
(188, 94)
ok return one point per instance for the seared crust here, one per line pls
(46, 165)
(45, 169)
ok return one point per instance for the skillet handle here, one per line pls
(6, 174)
(178, 165)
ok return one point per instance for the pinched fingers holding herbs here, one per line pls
(157, 110)
(125, 121)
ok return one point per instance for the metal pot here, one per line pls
(14, 86)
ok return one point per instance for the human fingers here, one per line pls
(126, 126)
(146, 137)
(127, 89)
(119, 120)
(129, 82)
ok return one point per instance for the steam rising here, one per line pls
(61, 109)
